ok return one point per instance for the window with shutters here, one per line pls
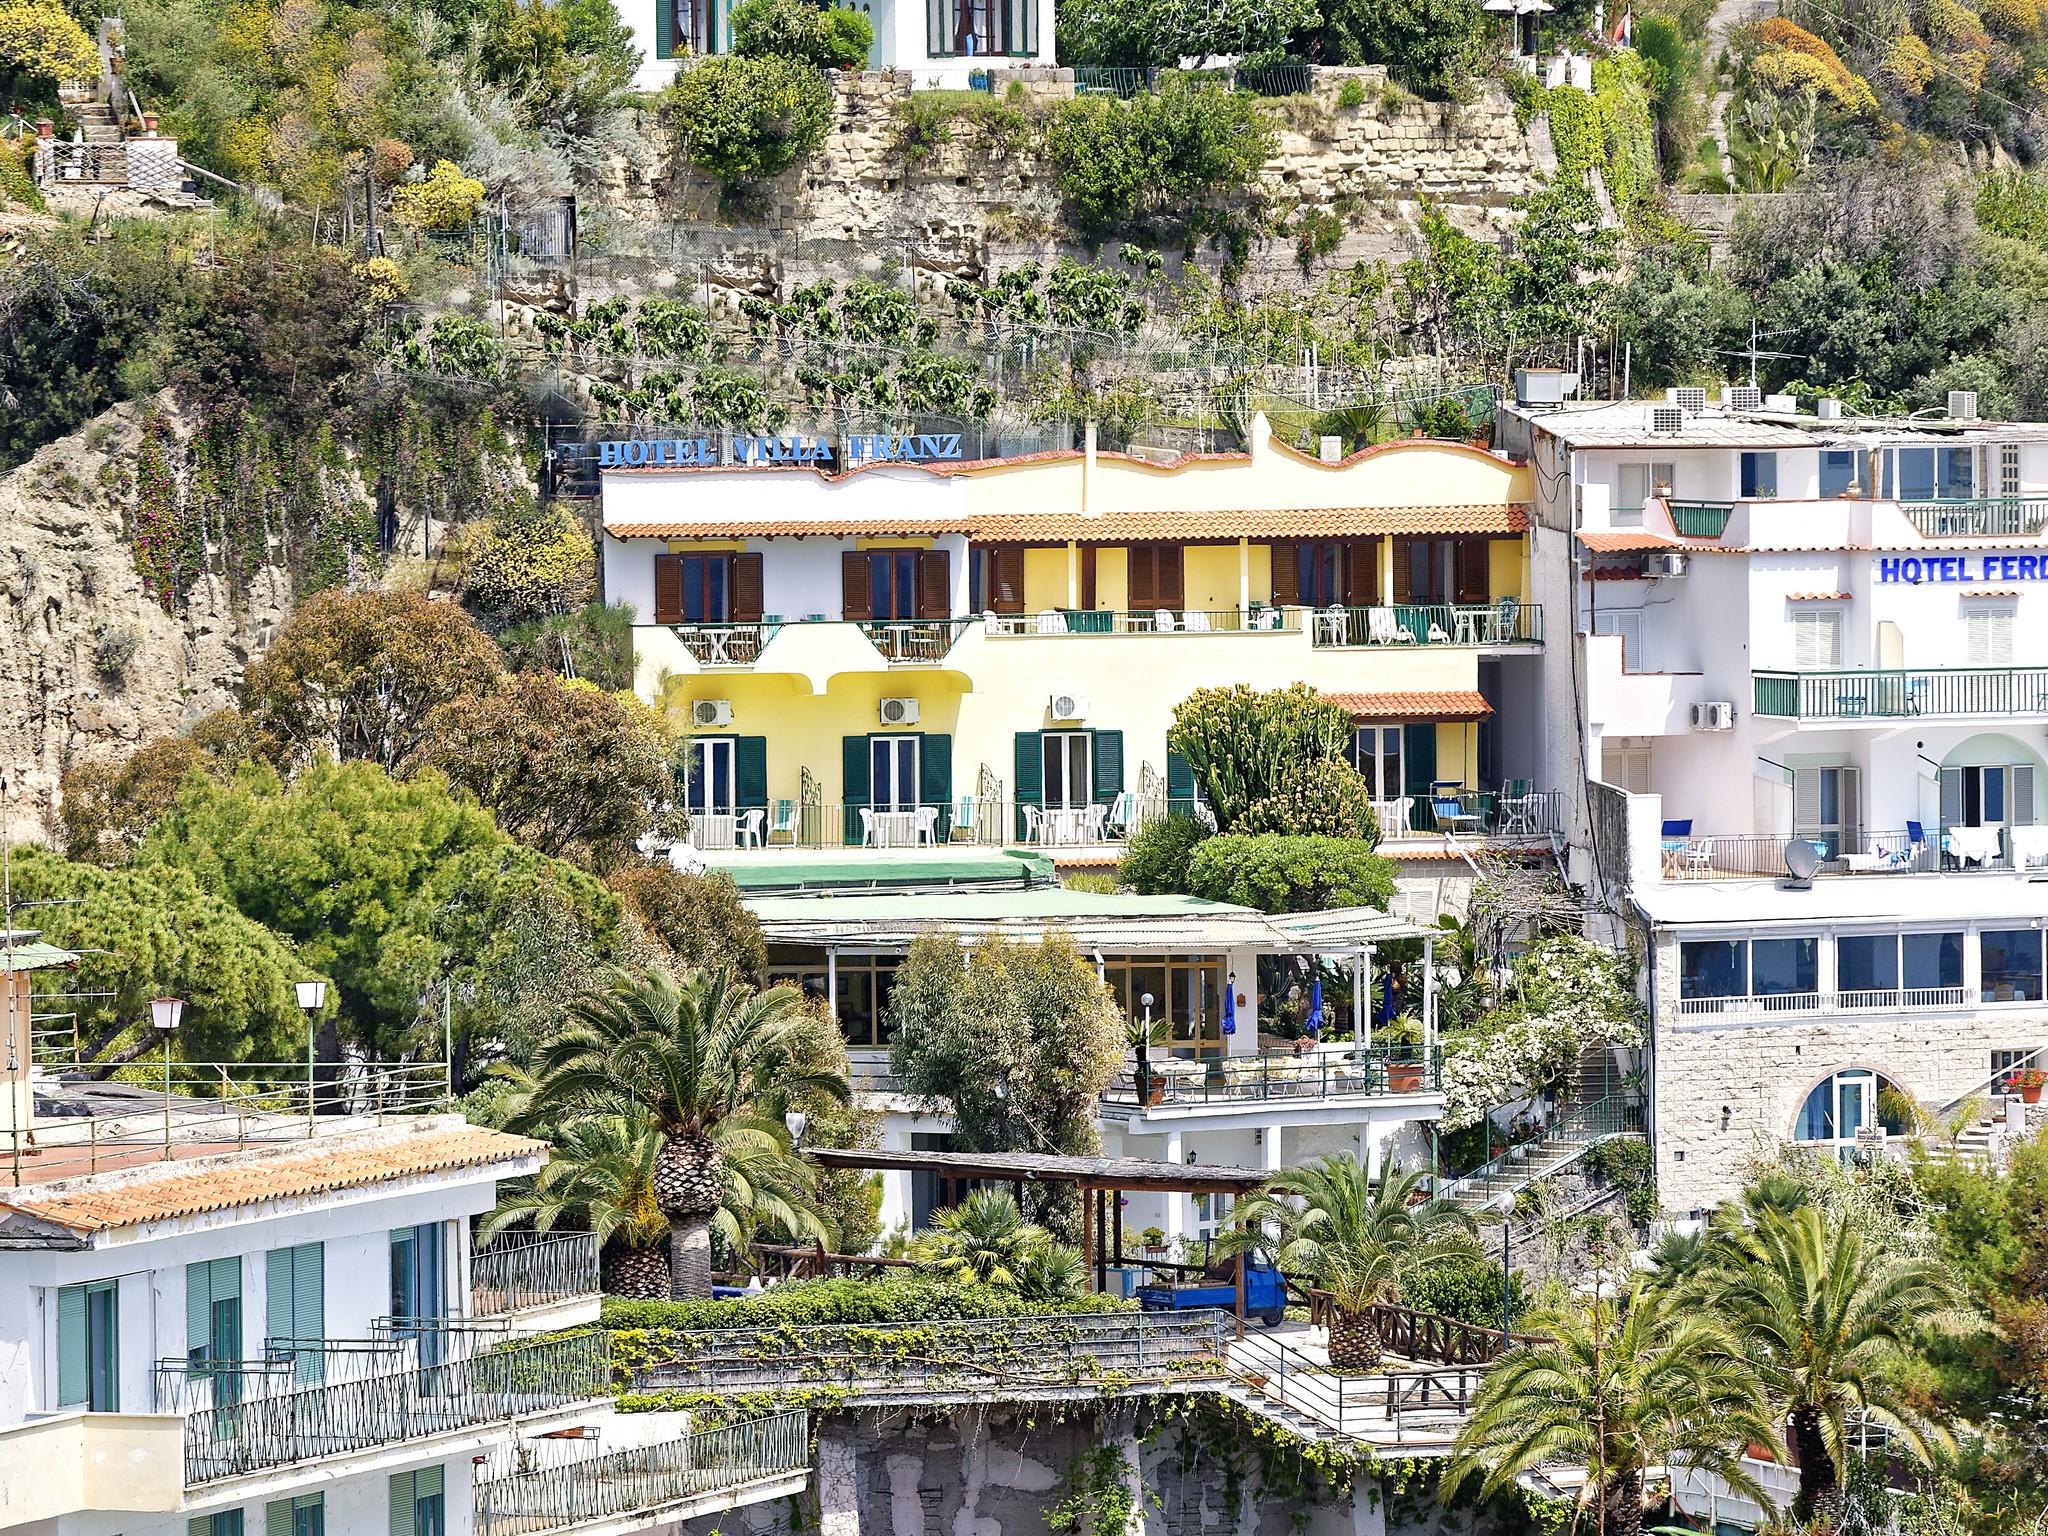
(1816, 638)
(1376, 753)
(417, 1507)
(305, 1515)
(693, 589)
(2008, 469)
(892, 773)
(1826, 809)
(713, 778)
(213, 1325)
(1625, 763)
(89, 1347)
(1991, 795)
(1069, 782)
(295, 1308)
(1155, 576)
(222, 1522)
(1988, 631)
(1319, 572)
(892, 584)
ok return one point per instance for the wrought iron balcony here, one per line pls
(520, 1271)
(1171, 1082)
(1505, 621)
(2011, 517)
(1874, 693)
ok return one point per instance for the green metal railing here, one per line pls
(1700, 519)
(1616, 1115)
(1978, 517)
(1884, 693)
(1379, 1069)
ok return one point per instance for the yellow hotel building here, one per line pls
(905, 656)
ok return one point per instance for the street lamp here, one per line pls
(794, 1121)
(164, 1013)
(312, 996)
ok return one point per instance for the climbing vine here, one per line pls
(1098, 1495)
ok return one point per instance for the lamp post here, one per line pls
(1507, 1316)
(164, 1013)
(794, 1121)
(312, 996)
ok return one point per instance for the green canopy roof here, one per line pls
(887, 870)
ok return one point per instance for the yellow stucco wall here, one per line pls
(1045, 578)
(1209, 575)
(1507, 566)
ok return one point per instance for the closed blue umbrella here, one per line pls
(1230, 1005)
(1315, 1007)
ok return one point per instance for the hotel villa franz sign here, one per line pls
(755, 452)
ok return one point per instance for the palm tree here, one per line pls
(984, 1239)
(1616, 1388)
(1828, 1321)
(599, 1178)
(1051, 1272)
(696, 1057)
(1359, 1239)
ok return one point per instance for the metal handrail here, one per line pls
(1985, 1082)
(1503, 621)
(1880, 693)
(1271, 1075)
(518, 1270)
(1374, 1407)
(1615, 1115)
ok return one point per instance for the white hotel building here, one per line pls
(1808, 679)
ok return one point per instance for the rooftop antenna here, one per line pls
(1753, 352)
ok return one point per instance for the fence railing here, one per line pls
(912, 640)
(235, 1438)
(1428, 1336)
(1857, 851)
(2012, 517)
(646, 1478)
(140, 1112)
(1561, 1141)
(1502, 814)
(520, 1270)
(996, 1355)
(1180, 1082)
(1383, 1407)
(1502, 622)
(1765, 1005)
(1147, 621)
(1888, 693)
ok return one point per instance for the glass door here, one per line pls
(892, 773)
(416, 1288)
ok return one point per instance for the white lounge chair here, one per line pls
(1197, 622)
(1051, 622)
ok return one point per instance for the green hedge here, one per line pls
(802, 1303)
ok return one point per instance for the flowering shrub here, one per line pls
(528, 565)
(1567, 995)
(383, 281)
(1791, 59)
(38, 38)
(447, 199)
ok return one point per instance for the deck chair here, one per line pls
(1162, 621)
(783, 822)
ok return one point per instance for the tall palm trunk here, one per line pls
(1355, 1342)
(1624, 1496)
(1820, 1482)
(689, 1183)
(639, 1274)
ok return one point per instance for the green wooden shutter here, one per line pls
(750, 772)
(402, 1504)
(1109, 765)
(664, 48)
(427, 1482)
(277, 1518)
(1418, 756)
(854, 769)
(198, 1309)
(278, 1319)
(1030, 765)
(199, 1525)
(296, 1303)
(935, 774)
(1180, 783)
(71, 1348)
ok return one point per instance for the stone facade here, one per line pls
(1726, 1092)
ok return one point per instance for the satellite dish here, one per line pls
(1802, 860)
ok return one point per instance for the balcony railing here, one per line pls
(1890, 694)
(1858, 851)
(2011, 517)
(1505, 622)
(898, 640)
(520, 1271)
(1768, 1005)
(1269, 1076)
(1148, 621)
(914, 640)
(1503, 815)
(645, 1479)
(476, 1382)
(1700, 519)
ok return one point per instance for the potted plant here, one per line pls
(1141, 1035)
(1404, 1056)
(1152, 1240)
(2028, 1082)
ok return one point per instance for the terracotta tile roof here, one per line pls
(316, 1165)
(1817, 597)
(1617, 540)
(1431, 704)
(1111, 527)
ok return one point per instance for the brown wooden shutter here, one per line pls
(1472, 573)
(854, 599)
(668, 589)
(1361, 573)
(1286, 575)
(746, 589)
(1009, 569)
(1404, 570)
(1142, 579)
(1172, 592)
(934, 584)
(1086, 555)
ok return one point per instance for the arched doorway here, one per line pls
(1989, 783)
(1845, 1102)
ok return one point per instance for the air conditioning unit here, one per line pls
(1068, 706)
(1827, 408)
(899, 711)
(711, 712)
(1719, 715)
(1666, 418)
(1687, 397)
(1661, 563)
(1742, 397)
(1962, 405)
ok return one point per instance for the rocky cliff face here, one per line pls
(91, 663)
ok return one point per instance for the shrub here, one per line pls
(1291, 874)
(1429, 45)
(447, 199)
(742, 118)
(1120, 164)
(797, 29)
(1243, 746)
(698, 918)
(534, 564)
(903, 1296)
(39, 39)
(1351, 94)
(1320, 799)
(1467, 1289)
(1156, 862)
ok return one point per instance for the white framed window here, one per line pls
(2008, 469)
(711, 776)
(1993, 795)
(1827, 809)
(1625, 763)
(1816, 638)
(1987, 627)
(892, 773)
(1068, 783)
(1639, 482)
(1376, 753)
(1627, 623)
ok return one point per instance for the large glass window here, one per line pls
(892, 584)
(1760, 474)
(1783, 967)
(1867, 963)
(1931, 960)
(2012, 966)
(1845, 1103)
(1936, 474)
(1713, 968)
(1067, 784)
(1376, 753)
(710, 791)
(707, 589)
(892, 773)
(1841, 469)
(957, 29)
(1186, 992)
(1320, 570)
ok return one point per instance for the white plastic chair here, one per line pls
(749, 833)
(1197, 622)
(1098, 823)
(867, 827)
(928, 824)
(1162, 620)
(1051, 622)
(1333, 626)
(1034, 823)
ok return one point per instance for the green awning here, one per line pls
(891, 871)
(32, 956)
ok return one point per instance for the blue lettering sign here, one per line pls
(747, 452)
(1910, 570)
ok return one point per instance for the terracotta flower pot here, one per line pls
(1404, 1077)
(2030, 1093)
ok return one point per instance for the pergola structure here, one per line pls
(1100, 1180)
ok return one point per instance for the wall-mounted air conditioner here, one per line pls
(1068, 706)
(711, 712)
(1661, 563)
(1718, 715)
(899, 711)
(1962, 405)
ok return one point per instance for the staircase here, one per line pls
(1568, 1139)
(97, 123)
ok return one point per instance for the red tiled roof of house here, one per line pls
(1421, 704)
(1608, 541)
(1112, 527)
(317, 1165)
